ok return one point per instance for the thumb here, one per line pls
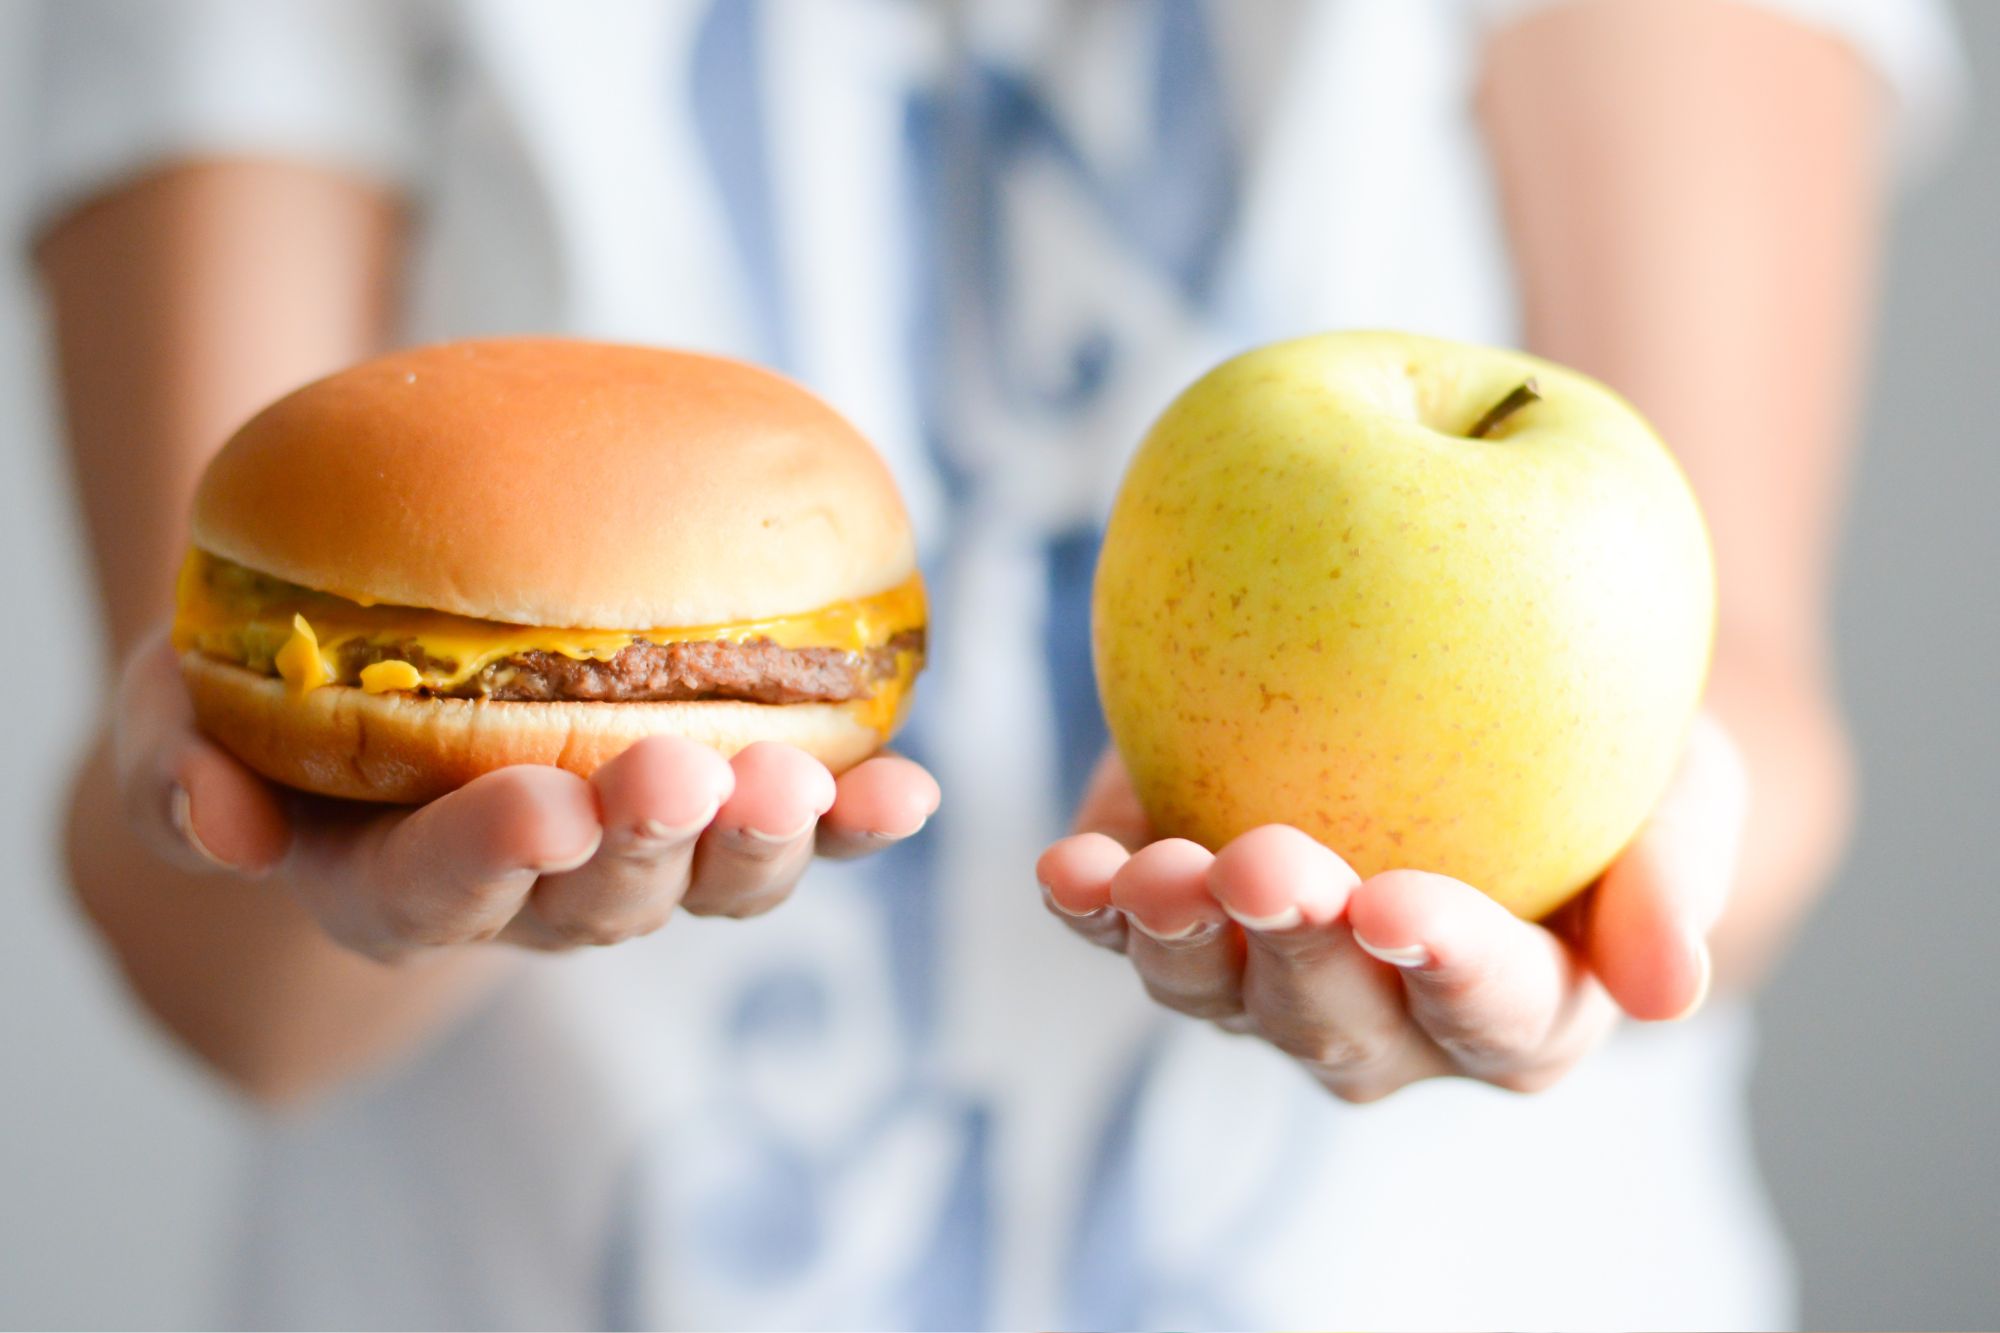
(193, 804)
(1649, 917)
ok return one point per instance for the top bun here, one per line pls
(555, 482)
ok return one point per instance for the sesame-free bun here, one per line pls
(340, 741)
(550, 483)
(562, 483)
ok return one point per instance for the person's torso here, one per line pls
(999, 237)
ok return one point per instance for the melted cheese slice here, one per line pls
(300, 661)
(263, 623)
(383, 677)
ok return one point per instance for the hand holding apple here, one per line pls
(1401, 643)
(1372, 984)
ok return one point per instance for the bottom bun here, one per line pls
(341, 741)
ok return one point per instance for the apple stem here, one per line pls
(1521, 395)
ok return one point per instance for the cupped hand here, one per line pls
(530, 855)
(1374, 984)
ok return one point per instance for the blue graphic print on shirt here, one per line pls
(762, 1199)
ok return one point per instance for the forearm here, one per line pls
(180, 304)
(1801, 770)
(1691, 192)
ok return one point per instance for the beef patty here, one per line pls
(754, 670)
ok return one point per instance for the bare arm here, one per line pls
(1692, 190)
(182, 303)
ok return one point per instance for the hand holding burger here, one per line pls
(631, 622)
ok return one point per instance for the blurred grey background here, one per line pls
(1878, 1096)
(1880, 1076)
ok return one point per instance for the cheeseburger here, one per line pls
(537, 551)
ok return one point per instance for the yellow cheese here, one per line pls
(299, 660)
(242, 616)
(883, 710)
(382, 677)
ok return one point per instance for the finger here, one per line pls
(653, 802)
(762, 839)
(1647, 922)
(1075, 875)
(451, 872)
(1163, 890)
(190, 801)
(228, 815)
(1312, 993)
(877, 804)
(1275, 878)
(1182, 945)
(1503, 997)
(1110, 806)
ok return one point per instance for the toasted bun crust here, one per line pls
(402, 748)
(562, 483)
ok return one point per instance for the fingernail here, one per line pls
(879, 839)
(1289, 919)
(1192, 933)
(1701, 989)
(1411, 955)
(655, 830)
(573, 862)
(1049, 897)
(758, 835)
(181, 811)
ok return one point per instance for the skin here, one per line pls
(1735, 324)
(291, 945)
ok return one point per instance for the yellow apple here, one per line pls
(1367, 585)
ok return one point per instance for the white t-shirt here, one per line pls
(999, 236)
